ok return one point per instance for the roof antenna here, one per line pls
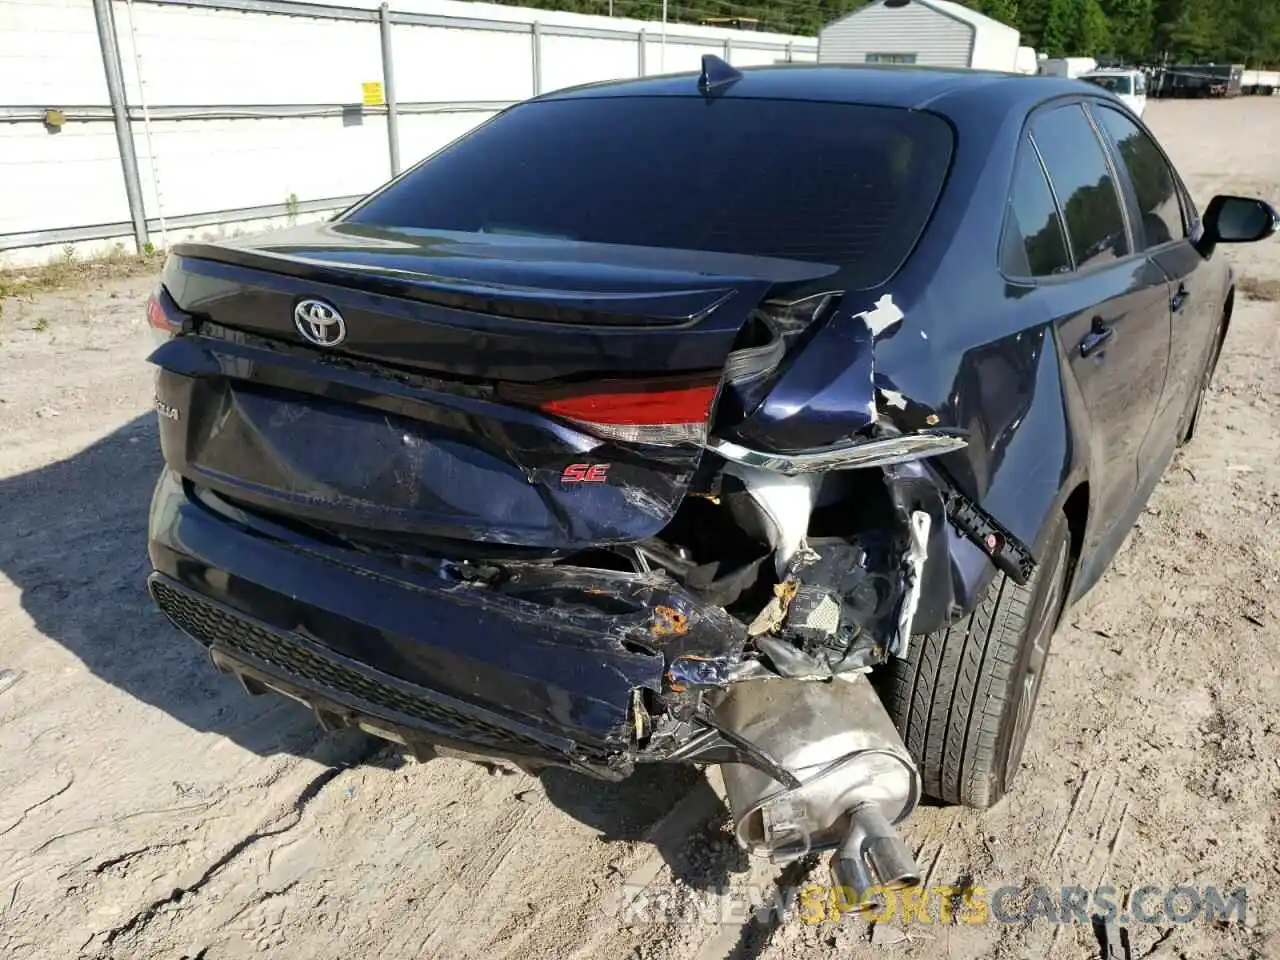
(716, 75)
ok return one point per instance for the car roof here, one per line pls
(909, 87)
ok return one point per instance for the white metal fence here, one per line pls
(134, 120)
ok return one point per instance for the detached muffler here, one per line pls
(856, 778)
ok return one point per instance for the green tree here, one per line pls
(1047, 25)
(1186, 30)
(1093, 31)
(1006, 11)
(1131, 24)
(1251, 32)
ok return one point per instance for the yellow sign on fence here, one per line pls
(373, 94)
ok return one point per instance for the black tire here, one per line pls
(964, 696)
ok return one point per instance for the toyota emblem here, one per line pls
(319, 323)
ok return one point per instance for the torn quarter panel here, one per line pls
(1018, 406)
(824, 395)
(1016, 398)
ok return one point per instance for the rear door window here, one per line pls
(1153, 179)
(836, 183)
(1081, 176)
(1034, 245)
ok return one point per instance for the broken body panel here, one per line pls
(588, 500)
(615, 582)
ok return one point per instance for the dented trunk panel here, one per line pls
(398, 428)
(347, 448)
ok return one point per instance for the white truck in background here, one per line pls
(1262, 83)
(1025, 62)
(1066, 66)
(1127, 83)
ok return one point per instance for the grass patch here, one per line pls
(1256, 289)
(70, 271)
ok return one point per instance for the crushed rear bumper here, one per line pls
(343, 692)
(551, 665)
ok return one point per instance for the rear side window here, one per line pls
(1153, 179)
(836, 183)
(1033, 242)
(1082, 180)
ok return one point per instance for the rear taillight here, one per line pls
(664, 412)
(677, 410)
(164, 321)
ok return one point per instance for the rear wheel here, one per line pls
(964, 697)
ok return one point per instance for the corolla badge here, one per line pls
(320, 323)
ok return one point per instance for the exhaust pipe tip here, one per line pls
(873, 855)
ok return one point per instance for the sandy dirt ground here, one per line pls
(149, 809)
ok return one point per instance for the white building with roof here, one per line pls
(934, 33)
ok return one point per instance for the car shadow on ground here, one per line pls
(698, 850)
(73, 540)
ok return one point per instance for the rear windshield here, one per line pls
(835, 183)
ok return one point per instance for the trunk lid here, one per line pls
(493, 389)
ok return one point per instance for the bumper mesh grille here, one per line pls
(214, 626)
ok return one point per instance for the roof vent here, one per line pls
(716, 75)
(896, 3)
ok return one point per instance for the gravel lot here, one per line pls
(150, 809)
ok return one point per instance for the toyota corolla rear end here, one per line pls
(504, 458)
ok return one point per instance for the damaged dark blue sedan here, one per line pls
(764, 419)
